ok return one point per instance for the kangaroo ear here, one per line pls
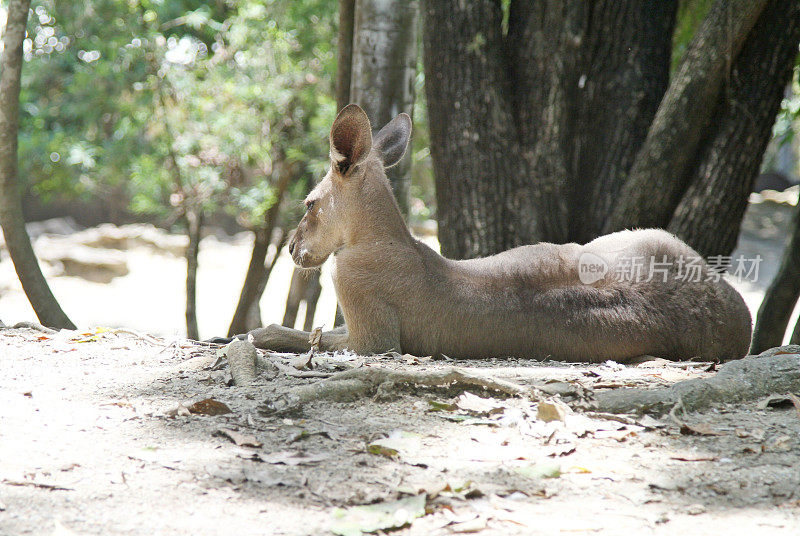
(351, 138)
(392, 140)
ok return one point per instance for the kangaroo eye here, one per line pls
(310, 205)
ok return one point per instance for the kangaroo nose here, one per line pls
(291, 247)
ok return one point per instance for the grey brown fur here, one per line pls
(398, 294)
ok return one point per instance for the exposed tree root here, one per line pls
(776, 371)
(242, 360)
(29, 325)
(378, 381)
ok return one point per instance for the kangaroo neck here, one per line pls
(381, 221)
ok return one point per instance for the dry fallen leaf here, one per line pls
(289, 457)
(699, 429)
(315, 337)
(780, 444)
(693, 458)
(302, 361)
(209, 406)
(474, 525)
(796, 401)
(178, 411)
(241, 440)
(776, 402)
(551, 410)
(476, 404)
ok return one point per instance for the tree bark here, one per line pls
(583, 118)
(304, 287)
(194, 223)
(384, 66)
(658, 177)
(708, 216)
(474, 145)
(526, 148)
(17, 240)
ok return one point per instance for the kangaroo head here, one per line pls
(337, 205)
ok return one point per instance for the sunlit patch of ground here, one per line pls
(91, 444)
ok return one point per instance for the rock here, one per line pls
(124, 237)
(54, 226)
(99, 266)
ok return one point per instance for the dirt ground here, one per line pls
(96, 438)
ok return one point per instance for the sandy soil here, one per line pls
(91, 444)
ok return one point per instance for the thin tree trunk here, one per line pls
(780, 298)
(304, 287)
(795, 339)
(384, 66)
(278, 241)
(194, 222)
(17, 240)
(297, 291)
(313, 290)
(256, 278)
(709, 215)
(344, 55)
(660, 172)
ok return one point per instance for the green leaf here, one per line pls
(540, 470)
(381, 516)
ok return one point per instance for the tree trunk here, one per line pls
(344, 55)
(474, 144)
(278, 241)
(708, 216)
(658, 177)
(384, 66)
(297, 291)
(194, 223)
(17, 240)
(583, 118)
(568, 126)
(780, 298)
(313, 290)
(247, 315)
(526, 148)
(304, 287)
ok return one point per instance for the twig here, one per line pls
(144, 336)
(41, 485)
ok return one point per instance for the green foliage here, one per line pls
(689, 17)
(177, 103)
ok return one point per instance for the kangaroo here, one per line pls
(563, 302)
